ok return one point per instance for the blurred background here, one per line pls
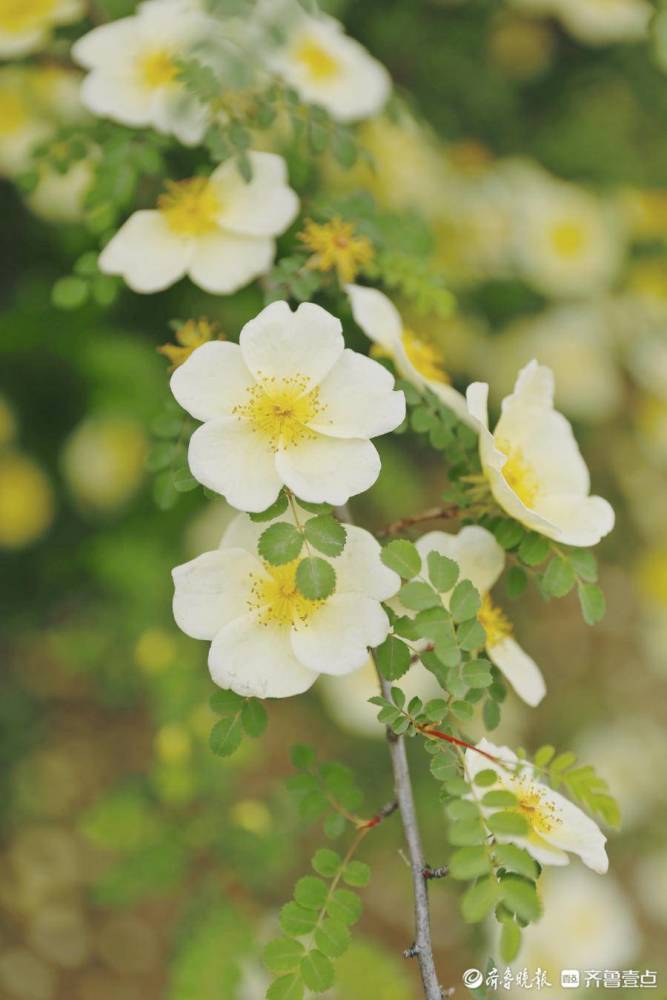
(136, 865)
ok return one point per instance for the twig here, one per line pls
(422, 948)
(432, 514)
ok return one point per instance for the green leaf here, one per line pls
(486, 777)
(508, 533)
(283, 955)
(345, 906)
(314, 508)
(469, 862)
(302, 756)
(508, 823)
(462, 709)
(471, 635)
(467, 832)
(417, 596)
(443, 572)
(592, 602)
(278, 507)
(393, 658)
(288, 987)
(334, 825)
(325, 534)
(544, 756)
(310, 892)
(443, 766)
(398, 697)
(402, 556)
(510, 940)
(534, 549)
(224, 702)
(357, 873)
(500, 798)
(226, 736)
(254, 717)
(558, 578)
(479, 900)
(280, 544)
(516, 582)
(69, 293)
(516, 859)
(332, 938)
(584, 564)
(465, 601)
(315, 578)
(317, 971)
(435, 709)
(295, 920)
(559, 764)
(521, 898)
(462, 809)
(491, 713)
(326, 862)
(477, 673)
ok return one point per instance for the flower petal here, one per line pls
(578, 520)
(223, 262)
(212, 590)
(226, 456)
(146, 252)
(263, 206)
(520, 670)
(337, 637)
(329, 470)
(358, 399)
(576, 832)
(479, 556)
(212, 381)
(377, 316)
(359, 567)
(282, 344)
(257, 661)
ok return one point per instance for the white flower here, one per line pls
(327, 67)
(557, 826)
(267, 640)
(481, 560)
(25, 25)
(61, 197)
(133, 71)
(219, 230)
(288, 405)
(416, 360)
(533, 464)
(599, 22)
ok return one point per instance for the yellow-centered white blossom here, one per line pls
(26, 25)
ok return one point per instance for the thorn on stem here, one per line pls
(441, 872)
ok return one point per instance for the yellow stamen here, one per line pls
(189, 337)
(426, 358)
(568, 239)
(494, 622)
(280, 410)
(540, 814)
(157, 69)
(190, 207)
(319, 63)
(21, 15)
(336, 247)
(519, 474)
(277, 599)
(13, 112)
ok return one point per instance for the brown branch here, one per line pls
(432, 514)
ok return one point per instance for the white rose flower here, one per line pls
(417, 361)
(25, 25)
(600, 22)
(557, 826)
(329, 68)
(533, 464)
(481, 560)
(218, 230)
(133, 70)
(288, 405)
(267, 639)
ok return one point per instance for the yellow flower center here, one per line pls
(519, 474)
(319, 63)
(191, 335)
(277, 599)
(568, 239)
(190, 207)
(336, 247)
(13, 112)
(280, 410)
(157, 69)
(21, 15)
(425, 357)
(540, 814)
(494, 621)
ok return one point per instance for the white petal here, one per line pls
(146, 252)
(281, 344)
(226, 456)
(359, 568)
(523, 673)
(358, 399)
(337, 637)
(477, 395)
(122, 99)
(223, 262)
(578, 520)
(257, 661)
(242, 533)
(474, 762)
(212, 381)
(447, 394)
(576, 832)
(534, 385)
(212, 590)
(543, 852)
(377, 316)
(479, 556)
(329, 470)
(264, 206)
(102, 45)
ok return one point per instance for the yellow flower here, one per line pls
(26, 501)
(335, 247)
(189, 337)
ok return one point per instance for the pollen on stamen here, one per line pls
(277, 600)
(518, 473)
(280, 410)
